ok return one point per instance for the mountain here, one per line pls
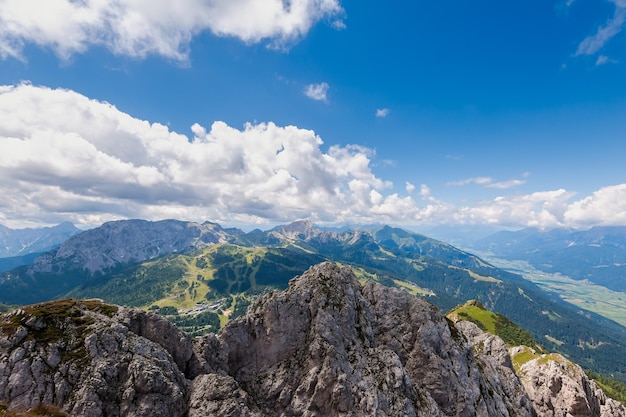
(92, 254)
(327, 346)
(19, 242)
(597, 254)
(12, 262)
(174, 265)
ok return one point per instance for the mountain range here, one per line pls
(16, 242)
(21, 246)
(174, 264)
(597, 255)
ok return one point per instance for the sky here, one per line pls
(252, 113)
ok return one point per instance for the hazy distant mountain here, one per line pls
(18, 242)
(6, 264)
(597, 254)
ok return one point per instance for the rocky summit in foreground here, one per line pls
(327, 346)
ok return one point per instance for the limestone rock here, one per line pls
(85, 358)
(328, 346)
(558, 387)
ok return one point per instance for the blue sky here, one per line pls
(411, 113)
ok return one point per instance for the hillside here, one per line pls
(494, 323)
(208, 269)
(529, 359)
(327, 345)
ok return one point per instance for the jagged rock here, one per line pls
(328, 346)
(559, 387)
(493, 355)
(86, 358)
(217, 395)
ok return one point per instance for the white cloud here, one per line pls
(139, 27)
(594, 43)
(382, 112)
(317, 91)
(506, 184)
(607, 206)
(603, 59)
(475, 180)
(64, 156)
(488, 182)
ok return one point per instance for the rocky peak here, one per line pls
(298, 230)
(124, 242)
(328, 346)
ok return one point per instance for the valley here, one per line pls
(586, 295)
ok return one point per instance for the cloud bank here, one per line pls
(138, 28)
(64, 156)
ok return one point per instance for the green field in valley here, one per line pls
(598, 299)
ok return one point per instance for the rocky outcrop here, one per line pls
(326, 346)
(559, 387)
(86, 358)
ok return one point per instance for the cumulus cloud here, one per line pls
(540, 209)
(382, 112)
(137, 28)
(64, 156)
(595, 42)
(317, 91)
(607, 206)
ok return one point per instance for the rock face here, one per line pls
(127, 241)
(559, 387)
(86, 358)
(327, 346)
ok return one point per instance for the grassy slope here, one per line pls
(512, 334)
